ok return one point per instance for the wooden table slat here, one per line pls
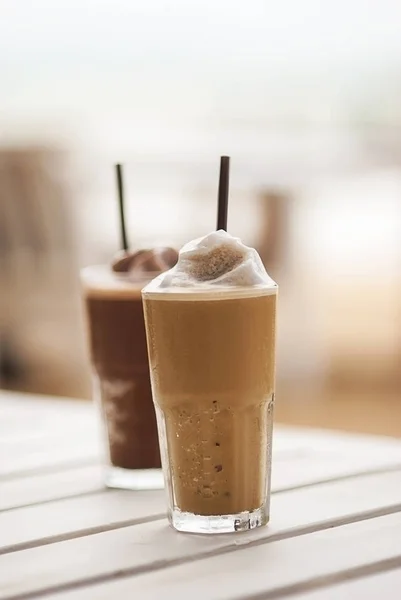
(145, 545)
(270, 570)
(47, 487)
(35, 525)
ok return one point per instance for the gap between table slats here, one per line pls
(321, 582)
(384, 585)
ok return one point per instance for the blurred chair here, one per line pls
(38, 275)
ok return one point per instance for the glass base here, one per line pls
(134, 479)
(243, 521)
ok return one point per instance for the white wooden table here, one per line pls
(335, 530)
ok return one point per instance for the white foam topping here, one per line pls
(212, 263)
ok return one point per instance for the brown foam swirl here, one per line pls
(214, 264)
(155, 260)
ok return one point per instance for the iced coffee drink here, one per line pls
(211, 338)
(119, 358)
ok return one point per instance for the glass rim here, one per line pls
(130, 276)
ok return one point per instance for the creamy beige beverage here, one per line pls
(211, 341)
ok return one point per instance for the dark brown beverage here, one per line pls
(120, 360)
(119, 357)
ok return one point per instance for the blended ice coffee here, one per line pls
(211, 324)
(119, 358)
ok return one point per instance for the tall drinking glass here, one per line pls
(212, 359)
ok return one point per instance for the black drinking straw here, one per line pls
(120, 188)
(224, 184)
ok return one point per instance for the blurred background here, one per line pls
(304, 96)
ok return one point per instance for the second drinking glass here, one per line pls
(119, 357)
